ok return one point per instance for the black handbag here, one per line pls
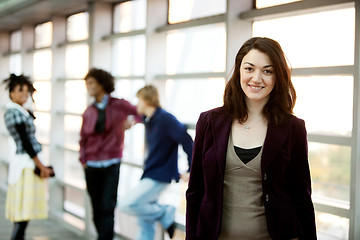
(37, 171)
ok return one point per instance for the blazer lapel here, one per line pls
(274, 140)
(221, 126)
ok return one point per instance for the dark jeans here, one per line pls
(102, 184)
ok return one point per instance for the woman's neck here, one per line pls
(255, 109)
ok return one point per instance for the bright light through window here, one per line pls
(42, 96)
(15, 64)
(181, 94)
(15, 41)
(198, 49)
(184, 10)
(325, 103)
(129, 56)
(78, 27)
(76, 60)
(43, 35)
(130, 16)
(270, 3)
(42, 64)
(313, 40)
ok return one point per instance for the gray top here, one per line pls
(243, 215)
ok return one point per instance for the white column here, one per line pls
(57, 120)
(238, 31)
(156, 44)
(4, 98)
(354, 230)
(26, 46)
(100, 23)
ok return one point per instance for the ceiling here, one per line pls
(16, 13)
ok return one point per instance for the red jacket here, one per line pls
(285, 172)
(108, 144)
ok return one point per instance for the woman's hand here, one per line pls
(45, 172)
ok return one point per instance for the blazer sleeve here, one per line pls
(195, 191)
(300, 182)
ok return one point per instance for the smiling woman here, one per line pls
(258, 151)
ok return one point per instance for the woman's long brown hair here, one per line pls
(283, 96)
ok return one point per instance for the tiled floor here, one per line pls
(37, 229)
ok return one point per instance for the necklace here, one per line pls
(253, 124)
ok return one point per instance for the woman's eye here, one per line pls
(248, 69)
(267, 71)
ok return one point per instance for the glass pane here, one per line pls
(130, 16)
(127, 89)
(129, 56)
(197, 49)
(73, 171)
(313, 40)
(43, 35)
(184, 10)
(72, 131)
(175, 195)
(322, 111)
(78, 27)
(181, 94)
(134, 144)
(76, 60)
(331, 227)
(42, 123)
(45, 155)
(15, 64)
(74, 201)
(330, 170)
(15, 41)
(129, 178)
(42, 96)
(42, 64)
(270, 3)
(75, 96)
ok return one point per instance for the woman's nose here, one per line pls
(256, 76)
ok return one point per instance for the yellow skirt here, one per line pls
(27, 199)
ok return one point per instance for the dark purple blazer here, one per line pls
(285, 172)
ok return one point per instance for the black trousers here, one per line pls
(102, 185)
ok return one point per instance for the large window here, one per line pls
(42, 66)
(314, 42)
(15, 59)
(129, 16)
(76, 66)
(184, 10)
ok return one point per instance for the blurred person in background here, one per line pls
(101, 147)
(26, 197)
(250, 176)
(164, 133)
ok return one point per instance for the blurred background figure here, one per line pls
(26, 197)
(101, 147)
(163, 135)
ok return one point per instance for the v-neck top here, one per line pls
(243, 215)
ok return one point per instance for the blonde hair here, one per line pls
(149, 93)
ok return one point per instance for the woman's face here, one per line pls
(257, 77)
(20, 94)
(94, 88)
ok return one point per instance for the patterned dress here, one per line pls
(26, 193)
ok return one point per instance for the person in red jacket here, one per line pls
(101, 147)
